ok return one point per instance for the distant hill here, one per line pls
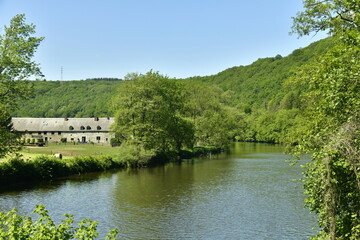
(87, 98)
(262, 81)
(257, 85)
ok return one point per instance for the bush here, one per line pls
(14, 226)
(115, 142)
(50, 167)
(134, 155)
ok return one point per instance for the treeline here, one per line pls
(68, 99)
(104, 79)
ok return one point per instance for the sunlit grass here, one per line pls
(69, 150)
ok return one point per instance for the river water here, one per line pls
(246, 193)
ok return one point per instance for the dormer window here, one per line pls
(98, 128)
(71, 128)
(88, 128)
(82, 128)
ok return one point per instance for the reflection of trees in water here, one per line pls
(153, 198)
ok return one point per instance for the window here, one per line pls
(45, 133)
(98, 138)
(52, 133)
(82, 128)
(88, 128)
(72, 139)
(59, 133)
(71, 128)
(98, 128)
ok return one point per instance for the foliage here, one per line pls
(259, 83)
(115, 142)
(88, 98)
(147, 110)
(14, 226)
(134, 155)
(17, 48)
(207, 108)
(331, 15)
(43, 167)
(8, 137)
(332, 115)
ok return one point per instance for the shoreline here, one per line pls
(44, 168)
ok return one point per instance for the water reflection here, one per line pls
(247, 193)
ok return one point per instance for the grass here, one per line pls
(70, 150)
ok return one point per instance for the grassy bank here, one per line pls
(38, 163)
(69, 150)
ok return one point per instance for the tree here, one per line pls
(215, 123)
(17, 48)
(331, 15)
(332, 114)
(147, 111)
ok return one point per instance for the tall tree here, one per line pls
(214, 121)
(332, 178)
(147, 110)
(17, 48)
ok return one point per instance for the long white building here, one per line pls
(84, 130)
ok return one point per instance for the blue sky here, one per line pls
(178, 38)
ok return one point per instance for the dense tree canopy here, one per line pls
(17, 48)
(207, 107)
(332, 114)
(327, 15)
(89, 98)
(148, 109)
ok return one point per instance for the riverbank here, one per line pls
(47, 167)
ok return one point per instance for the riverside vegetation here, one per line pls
(309, 100)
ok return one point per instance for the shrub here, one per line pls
(14, 226)
(134, 155)
(115, 142)
(46, 167)
(50, 167)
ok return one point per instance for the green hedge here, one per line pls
(48, 167)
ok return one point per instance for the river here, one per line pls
(246, 193)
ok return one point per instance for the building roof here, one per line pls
(62, 124)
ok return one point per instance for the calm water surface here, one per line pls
(247, 193)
